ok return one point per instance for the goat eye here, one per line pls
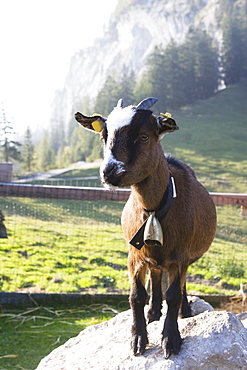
(143, 137)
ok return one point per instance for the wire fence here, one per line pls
(63, 239)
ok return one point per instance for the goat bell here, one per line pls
(153, 234)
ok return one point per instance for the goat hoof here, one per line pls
(153, 315)
(171, 344)
(186, 313)
(139, 343)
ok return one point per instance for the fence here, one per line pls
(69, 239)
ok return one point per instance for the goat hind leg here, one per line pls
(154, 312)
(185, 309)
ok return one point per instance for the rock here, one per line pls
(211, 340)
(243, 318)
(198, 305)
(244, 322)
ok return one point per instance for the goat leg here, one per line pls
(171, 339)
(185, 309)
(138, 299)
(154, 312)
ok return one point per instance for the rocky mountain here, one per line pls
(135, 28)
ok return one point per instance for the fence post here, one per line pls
(244, 211)
(5, 172)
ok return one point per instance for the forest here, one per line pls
(179, 75)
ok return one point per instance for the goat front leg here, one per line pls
(171, 339)
(154, 312)
(138, 299)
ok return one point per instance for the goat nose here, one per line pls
(109, 169)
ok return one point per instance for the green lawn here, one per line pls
(80, 244)
(77, 246)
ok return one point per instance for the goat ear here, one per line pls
(166, 124)
(94, 123)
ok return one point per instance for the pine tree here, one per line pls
(205, 67)
(57, 136)
(107, 97)
(126, 86)
(45, 154)
(187, 72)
(234, 53)
(175, 91)
(81, 143)
(27, 154)
(143, 88)
(157, 78)
(9, 147)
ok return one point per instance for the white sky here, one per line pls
(37, 40)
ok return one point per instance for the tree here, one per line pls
(57, 136)
(157, 78)
(205, 66)
(81, 143)
(176, 92)
(234, 51)
(143, 87)
(8, 146)
(45, 154)
(126, 86)
(187, 72)
(27, 154)
(107, 96)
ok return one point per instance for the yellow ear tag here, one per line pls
(97, 125)
(166, 115)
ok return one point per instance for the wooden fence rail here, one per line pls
(87, 193)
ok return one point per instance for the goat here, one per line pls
(165, 193)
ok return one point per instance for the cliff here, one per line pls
(134, 30)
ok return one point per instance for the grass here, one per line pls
(77, 246)
(63, 246)
(27, 336)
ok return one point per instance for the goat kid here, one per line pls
(133, 157)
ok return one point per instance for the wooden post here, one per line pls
(5, 172)
(244, 211)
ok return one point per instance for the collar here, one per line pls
(170, 193)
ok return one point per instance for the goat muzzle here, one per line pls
(112, 173)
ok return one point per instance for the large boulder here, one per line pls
(211, 340)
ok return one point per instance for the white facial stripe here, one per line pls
(119, 117)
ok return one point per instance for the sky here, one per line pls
(37, 40)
